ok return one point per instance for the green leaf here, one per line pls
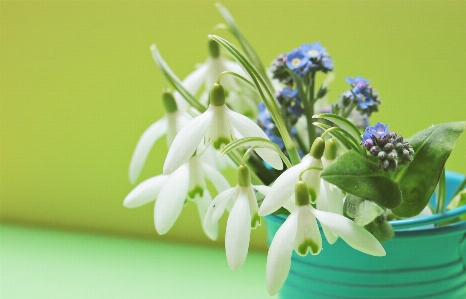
(174, 80)
(247, 48)
(266, 96)
(458, 201)
(342, 123)
(355, 174)
(418, 179)
(255, 142)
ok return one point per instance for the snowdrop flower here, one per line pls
(171, 192)
(240, 95)
(169, 125)
(243, 216)
(217, 126)
(300, 233)
(283, 188)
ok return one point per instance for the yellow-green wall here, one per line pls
(79, 86)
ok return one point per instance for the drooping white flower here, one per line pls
(243, 217)
(301, 233)
(171, 192)
(283, 187)
(217, 126)
(168, 125)
(241, 97)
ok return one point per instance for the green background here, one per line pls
(79, 86)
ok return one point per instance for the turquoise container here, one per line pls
(422, 261)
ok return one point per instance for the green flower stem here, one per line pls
(174, 80)
(268, 98)
(236, 75)
(246, 154)
(236, 158)
(307, 169)
(308, 109)
(347, 111)
(441, 193)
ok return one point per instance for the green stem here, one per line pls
(236, 75)
(347, 111)
(308, 108)
(441, 193)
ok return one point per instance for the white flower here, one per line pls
(240, 95)
(243, 217)
(283, 188)
(169, 124)
(217, 125)
(171, 191)
(301, 233)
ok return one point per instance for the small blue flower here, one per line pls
(367, 135)
(313, 51)
(379, 130)
(275, 139)
(296, 60)
(327, 63)
(264, 117)
(357, 80)
(290, 99)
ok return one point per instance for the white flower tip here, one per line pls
(235, 265)
(153, 47)
(161, 227)
(266, 209)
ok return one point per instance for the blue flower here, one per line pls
(379, 130)
(296, 60)
(290, 99)
(357, 80)
(264, 118)
(313, 51)
(327, 63)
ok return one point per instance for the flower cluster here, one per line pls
(302, 60)
(228, 109)
(362, 95)
(387, 146)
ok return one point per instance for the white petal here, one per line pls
(312, 177)
(281, 190)
(290, 204)
(220, 131)
(217, 206)
(193, 81)
(262, 189)
(186, 142)
(145, 192)
(279, 256)
(143, 147)
(218, 180)
(335, 198)
(308, 237)
(248, 128)
(171, 200)
(234, 67)
(238, 231)
(253, 208)
(323, 205)
(176, 121)
(354, 235)
(203, 203)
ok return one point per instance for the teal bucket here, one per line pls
(426, 262)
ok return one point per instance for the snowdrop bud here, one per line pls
(244, 177)
(214, 49)
(301, 194)
(318, 147)
(169, 102)
(217, 95)
(331, 148)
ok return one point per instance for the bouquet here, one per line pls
(321, 164)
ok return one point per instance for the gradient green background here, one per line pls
(79, 86)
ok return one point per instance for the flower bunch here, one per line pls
(320, 169)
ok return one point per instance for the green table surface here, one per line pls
(46, 263)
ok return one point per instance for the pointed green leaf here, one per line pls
(418, 179)
(265, 93)
(342, 123)
(354, 174)
(255, 142)
(247, 48)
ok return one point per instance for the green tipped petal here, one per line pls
(214, 49)
(169, 102)
(318, 147)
